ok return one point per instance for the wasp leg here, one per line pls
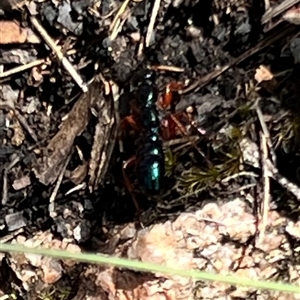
(129, 186)
(129, 122)
(170, 95)
(172, 126)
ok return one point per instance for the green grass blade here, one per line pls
(149, 267)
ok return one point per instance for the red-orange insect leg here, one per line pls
(130, 163)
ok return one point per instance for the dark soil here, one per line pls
(216, 111)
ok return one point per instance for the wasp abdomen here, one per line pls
(150, 155)
(150, 166)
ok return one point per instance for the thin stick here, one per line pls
(181, 140)
(8, 238)
(4, 189)
(284, 182)
(198, 84)
(25, 125)
(116, 19)
(5, 181)
(128, 184)
(201, 82)
(167, 68)
(267, 195)
(20, 118)
(78, 187)
(57, 186)
(117, 28)
(266, 132)
(65, 62)
(22, 68)
(267, 5)
(243, 173)
(273, 12)
(154, 13)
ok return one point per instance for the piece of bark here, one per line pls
(49, 167)
(104, 141)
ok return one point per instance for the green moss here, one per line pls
(52, 293)
(226, 163)
(171, 160)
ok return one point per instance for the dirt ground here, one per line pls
(228, 105)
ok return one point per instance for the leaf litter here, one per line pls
(230, 204)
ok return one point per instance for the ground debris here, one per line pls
(12, 33)
(263, 74)
(11, 4)
(15, 221)
(9, 96)
(294, 47)
(292, 16)
(21, 183)
(18, 56)
(36, 269)
(205, 240)
(102, 148)
(49, 166)
(64, 18)
(230, 201)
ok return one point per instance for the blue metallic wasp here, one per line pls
(149, 160)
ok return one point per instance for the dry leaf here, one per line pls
(49, 167)
(263, 74)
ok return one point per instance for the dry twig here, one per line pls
(267, 5)
(115, 24)
(154, 13)
(284, 182)
(5, 181)
(25, 125)
(22, 68)
(167, 68)
(4, 189)
(76, 188)
(201, 82)
(265, 131)
(105, 134)
(20, 118)
(264, 210)
(67, 65)
(273, 12)
(52, 212)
